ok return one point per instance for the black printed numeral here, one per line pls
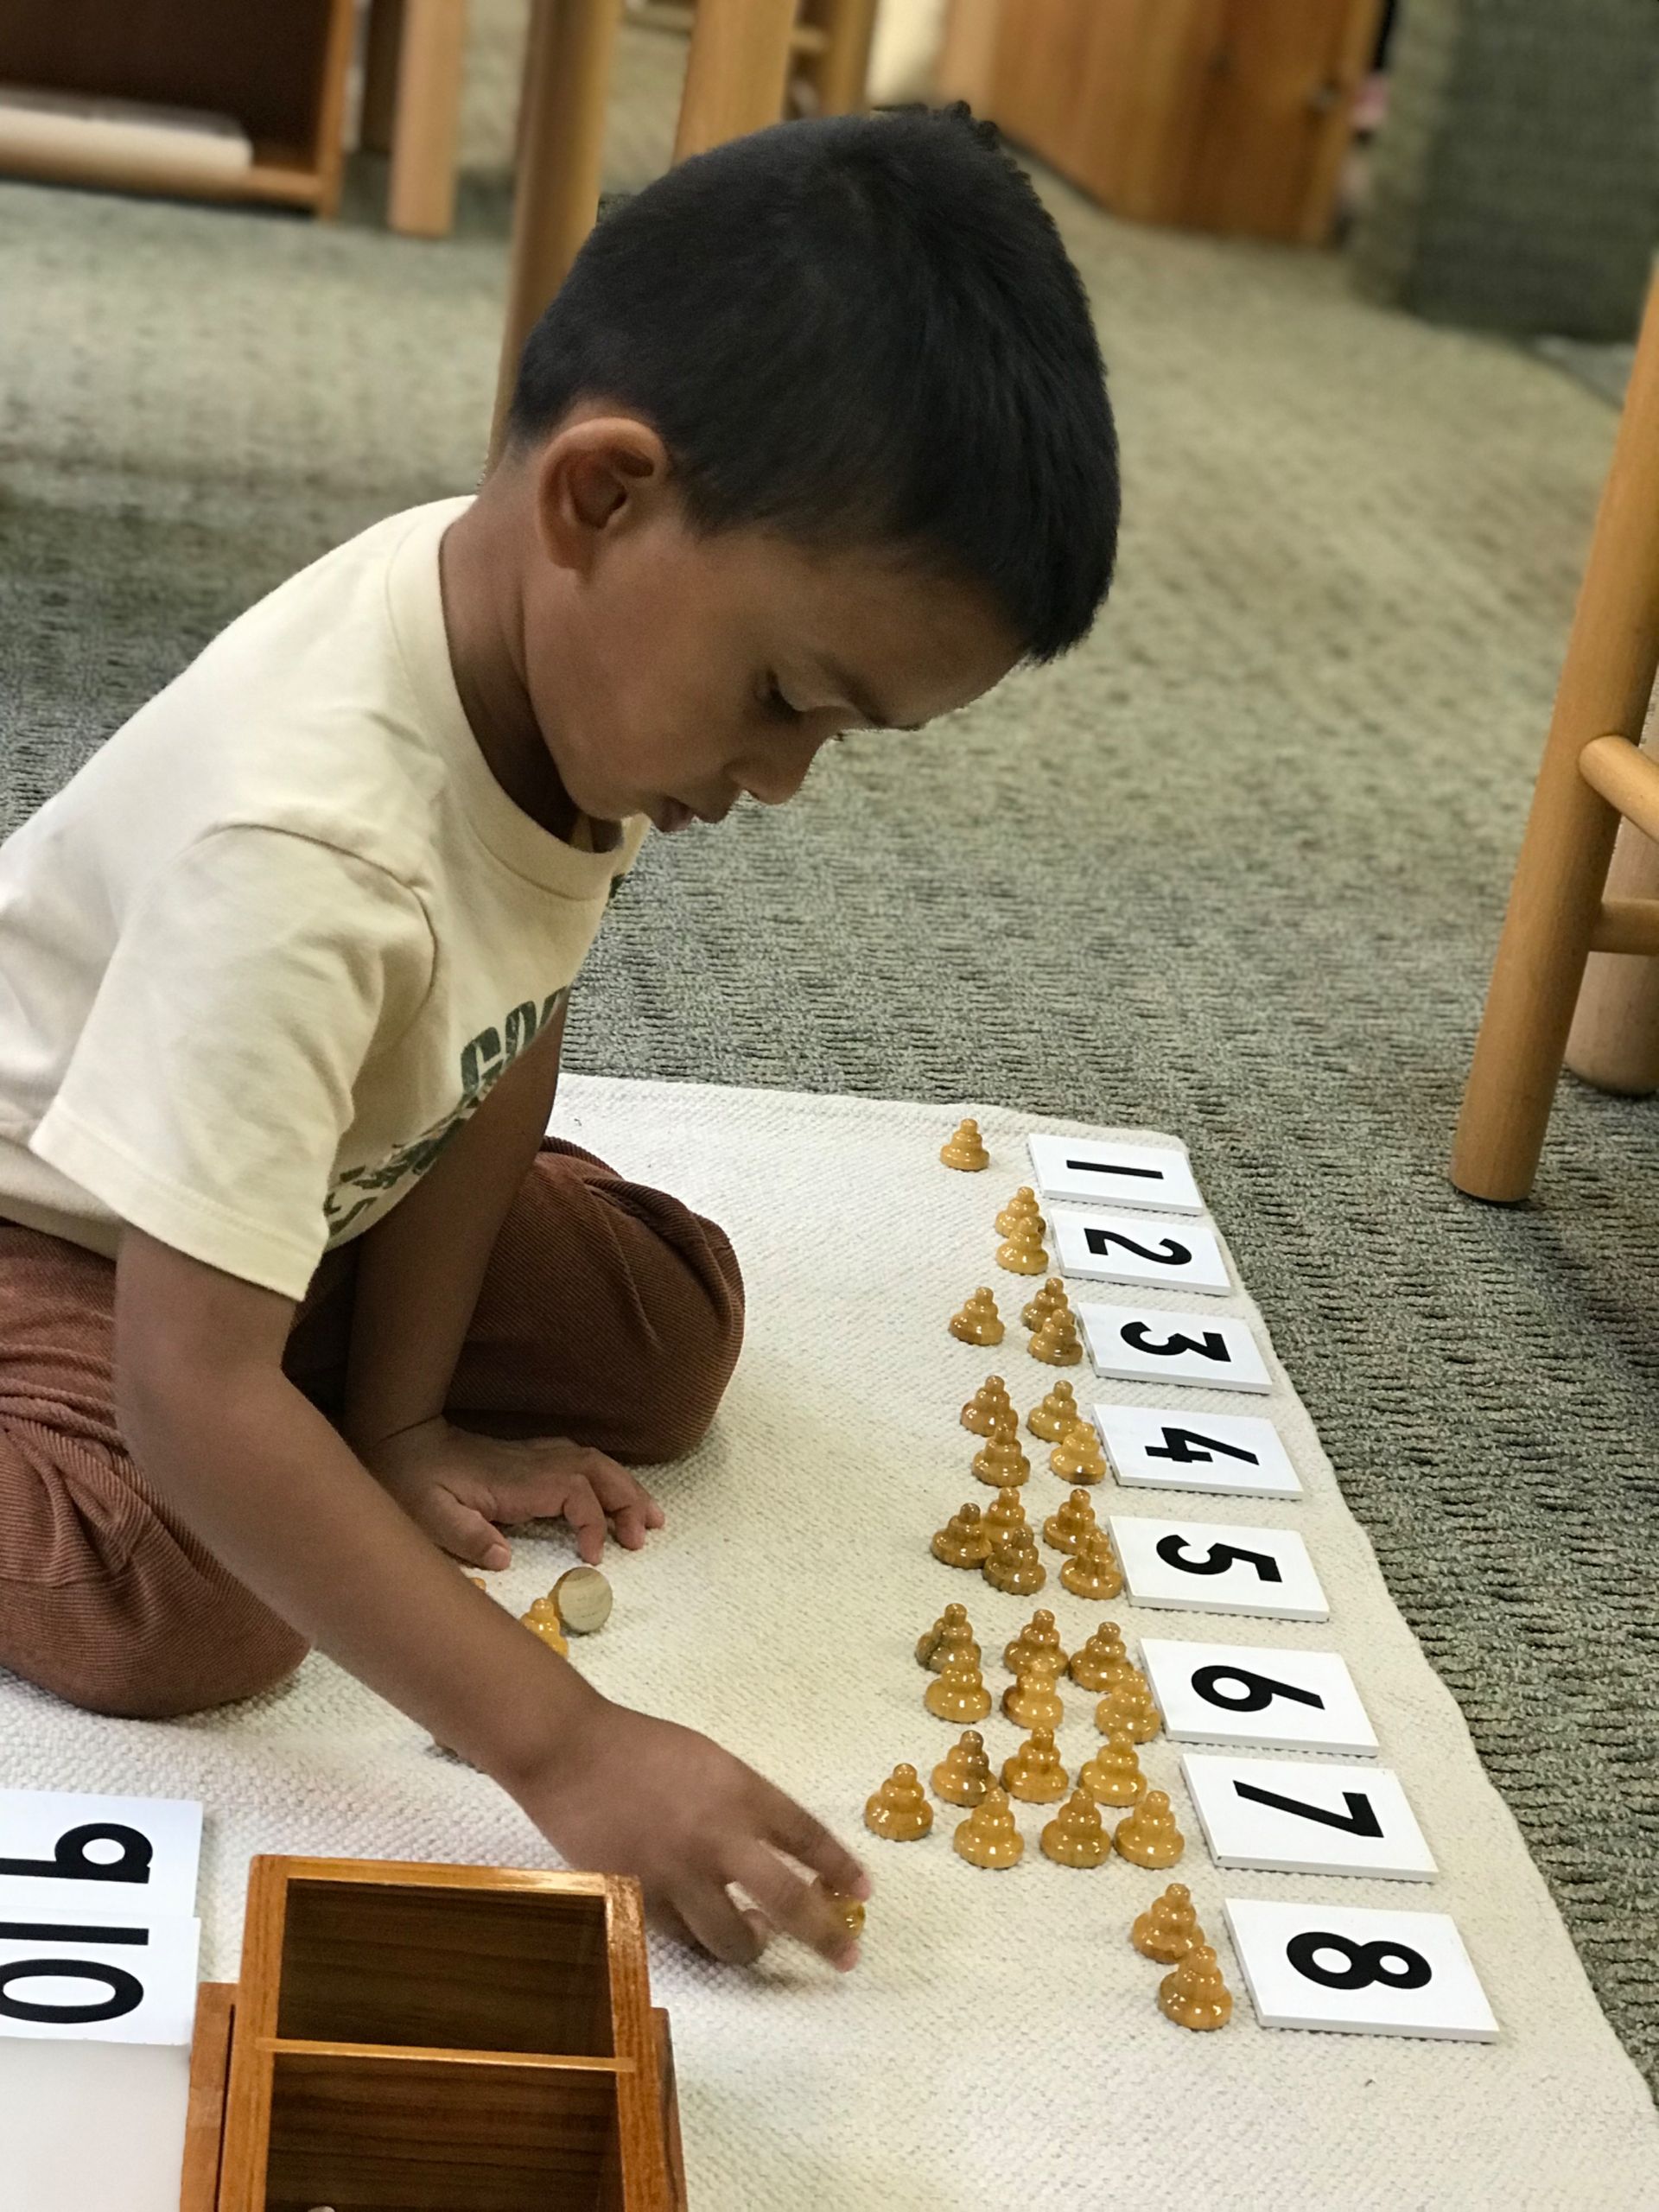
(1360, 1819)
(1211, 1345)
(126, 1992)
(1173, 1253)
(1189, 1447)
(1171, 1549)
(1255, 1694)
(1368, 1963)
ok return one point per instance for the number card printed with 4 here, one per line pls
(1138, 1249)
(1130, 1344)
(1094, 1171)
(1154, 1447)
(1208, 1567)
(1236, 1694)
(1359, 1970)
(1292, 1816)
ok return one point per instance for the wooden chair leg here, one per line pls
(736, 72)
(378, 125)
(844, 69)
(1614, 1042)
(422, 200)
(1606, 680)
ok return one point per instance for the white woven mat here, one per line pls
(1000, 2042)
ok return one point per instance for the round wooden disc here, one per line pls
(584, 1600)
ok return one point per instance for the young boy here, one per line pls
(294, 1297)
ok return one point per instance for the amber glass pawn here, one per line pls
(964, 1540)
(1013, 1565)
(849, 1911)
(1102, 1661)
(964, 1775)
(1057, 1344)
(1130, 1704)
(1169, 1928)
(1034, 1771)
(1022, 1206)
(1075, 1520)
(1113, 1776)
(999, 1460)
(1023, 1252)
(959, 1693)
(1039, 1637)
(1194, 1995)
(988, 1837)
(1092, 1570)
(1076, 1835)
(1005, 1513)
(978, 1322)
(990, 1402)
(899, 1809)
(1054, 1415)
(1049, 1299)
(1149, 1835)
(965, 1148)
(951, 1636)
(1077, 1456)
(1033, 1701)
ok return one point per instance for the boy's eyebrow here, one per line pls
(854, 693)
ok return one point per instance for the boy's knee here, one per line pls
(698, 1336)
(158, 1668)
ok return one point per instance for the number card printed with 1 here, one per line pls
(105, 1980)
(1155, 1448)
(1237, 1693)
(1209, 1566)
(1291, 1816)
(1359, 1970)
(1130, 1344)
(1138, 1249)
(1093, 1171)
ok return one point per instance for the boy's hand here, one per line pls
(459, 1488)
(642, 1797)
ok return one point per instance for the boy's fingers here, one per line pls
(804, 1836)
(794, 1907)
(464, 1532)
(586, 1519)
(738, 1938)
(619, 1492)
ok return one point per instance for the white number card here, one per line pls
(1096, 1172)
(1359, 1970)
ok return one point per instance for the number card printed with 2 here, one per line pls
(1236, 1694)
(1157, 1447)
(1130, 1344)
(1359, 1970)
(1209, 1566)
(1138, 1249)
(1094, 1171)
(1291, 1816)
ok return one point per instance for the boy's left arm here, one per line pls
(419, 1273)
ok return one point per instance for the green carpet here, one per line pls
(1235, 869)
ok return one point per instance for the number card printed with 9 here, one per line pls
(1137, 1249)
(1209, 1567)
(1094, 1171)
(1130, 1344)
(1359, 1970)
(1154, 1447)
(1293, 1816)
(1239, 1694)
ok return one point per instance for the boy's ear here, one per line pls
(593, 479)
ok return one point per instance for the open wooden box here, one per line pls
(412, 2038)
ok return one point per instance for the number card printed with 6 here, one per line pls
(1293, 1816)
(1155, 1448)
(1359, 1970)
(1094, 1171)
(1130, 1344)
(1239, 1694)
(1132, 1247)
(1209, 1567)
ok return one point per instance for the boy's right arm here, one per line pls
(271, 1487)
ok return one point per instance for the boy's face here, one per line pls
(670, 674)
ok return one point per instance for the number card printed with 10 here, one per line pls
(1238, 1694)
(1209, 1567)
(1158, 1447)
(1138, 1249)
(1291, 1816)
(1359, 1970)
(1130, 1344)
(1091, 1171)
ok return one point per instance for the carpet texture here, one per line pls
(1236, 868)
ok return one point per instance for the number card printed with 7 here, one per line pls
(1138, 1249)
(1130, 1344)
(1209, 1567)
(1096, 1172)
(1155, 1448)
(1293, 1816)
(1359, 1970)
(1238, 1694)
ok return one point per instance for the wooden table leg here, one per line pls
(735, 73)
(422, 200)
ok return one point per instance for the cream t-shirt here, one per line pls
(275, 943)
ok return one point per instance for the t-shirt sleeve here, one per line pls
(212, 1079)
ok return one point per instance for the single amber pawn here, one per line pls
(957, 1648)
(1013, 1565)
(1057, 1344)
(964, 1540)
(1168, 1928)
(1065, 1529)
(1092, 1570)
(988, 1837)
(964, 1775)
(1032, 1700)
(999, 1460)
(959, 1693)
(899, 1809)
(543, 1620)
(1130, 1704)
(849, 1911)
(1023, 1253)
(1077, 1456)
(951, 1636)
(1194, 1995)
(1021, 1207)
(1039, 1639)
(1102, 1661)
(1034, 1772)
(1005, 1513)
(1113, 1776)
(1149, 1835)
(1057, 1413)
(990, 1401)
(966, 1149)
(979, 1322)
(1076, 1835)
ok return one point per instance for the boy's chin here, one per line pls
(670, 816)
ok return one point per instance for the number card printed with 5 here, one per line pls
(1138, 1249)
(1237, 1693)
(1209, 1566)
(1155, 1448)
(1094, 1171)
(1130, 1344)
(1359, 1970)
(1292, 1816)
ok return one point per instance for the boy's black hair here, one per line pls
(860, 329)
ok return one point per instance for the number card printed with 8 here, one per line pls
(1094, 1171)
(1130, 1344)
(1359, 1970)
(1237, 1693)
(1155, 1448)
(1292, 1816)
(1138, 1249)
(1209, 1566)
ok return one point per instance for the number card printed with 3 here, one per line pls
(1091, 1171)
(1138, 1248)
(1130, 1344)
(1209, 1567)
(1293, 1816)
(1238, 1694)
(1156, 1447)
(1359, 1970)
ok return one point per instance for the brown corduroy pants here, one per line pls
(609, 1313)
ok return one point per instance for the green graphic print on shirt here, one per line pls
(484, 1061)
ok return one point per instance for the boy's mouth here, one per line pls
(671, 815)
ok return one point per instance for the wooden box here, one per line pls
(412, 2038)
